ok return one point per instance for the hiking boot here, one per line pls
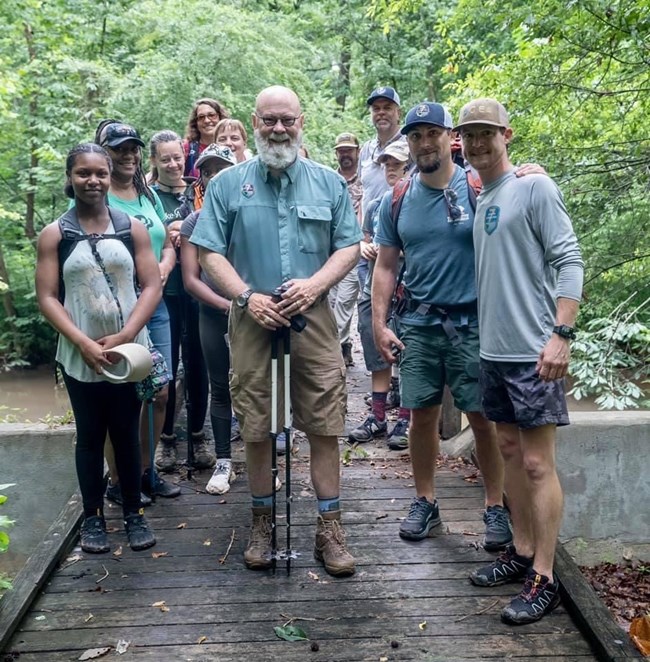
(398, 439)
(498, 531)
(538, 597)
(422, 518)
(204, 458)
(368, 430)
(138, 532)
(346, 350)
(235, 431)
(330, 545)
(221, 478)
(166, 456)
(114, 494)
(257, 556)
(93, 535)
(161, 487)
(507, 567)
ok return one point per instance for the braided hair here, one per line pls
(165, 136)
(82, 148)
(139, 178)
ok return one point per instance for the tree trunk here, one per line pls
(344, 73)
(30, 202)
(7, 297)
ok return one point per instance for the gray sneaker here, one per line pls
(498, 531)
(422, 518)
(368, 430)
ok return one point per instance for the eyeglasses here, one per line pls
(454, 210)
(272, 121)
(207, 116)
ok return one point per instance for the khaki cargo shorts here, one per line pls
(318, 392)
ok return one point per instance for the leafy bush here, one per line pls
(5, 523)
(611, 360)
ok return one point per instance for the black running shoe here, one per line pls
(93, 535)
(498, 532)
(423, 516)
(508, 567)
(138, 532)
(161, 488)
(539, 597)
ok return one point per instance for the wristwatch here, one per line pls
(565, 331)
(242, 299)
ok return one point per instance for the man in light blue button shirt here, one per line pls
(281, 220)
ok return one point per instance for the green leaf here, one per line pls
(291, 633)
(4, 541)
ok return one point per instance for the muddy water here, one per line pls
(31, 395)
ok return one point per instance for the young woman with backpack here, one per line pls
(99, 310)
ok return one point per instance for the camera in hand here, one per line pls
(298, 322)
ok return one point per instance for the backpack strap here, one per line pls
(474, 185)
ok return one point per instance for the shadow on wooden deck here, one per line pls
(407, 601)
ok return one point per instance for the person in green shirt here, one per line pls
(130, 193)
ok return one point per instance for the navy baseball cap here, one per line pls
(383, 93)
(427, 112)
(115, 134)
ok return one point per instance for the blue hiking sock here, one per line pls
(328, 505)
(263, 501)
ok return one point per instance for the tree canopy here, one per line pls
(574, 75)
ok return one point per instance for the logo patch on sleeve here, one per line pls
(491, 219)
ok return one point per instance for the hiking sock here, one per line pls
(262, 501)
(404, 413)
(328, 505)
(379, 405)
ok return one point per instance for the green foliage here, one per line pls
(5, 523)
(611, 360)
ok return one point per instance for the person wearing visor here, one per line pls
(130, 193)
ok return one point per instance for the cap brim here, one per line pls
(200, 162)
(380, 96)
(475, 122)
(345, 145)
(409, 127)
(116, 142)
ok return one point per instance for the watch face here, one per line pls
(242, 299)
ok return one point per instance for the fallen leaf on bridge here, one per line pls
(92, 653)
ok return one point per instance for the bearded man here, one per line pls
(279, 220)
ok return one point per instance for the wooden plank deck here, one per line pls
(398, 586)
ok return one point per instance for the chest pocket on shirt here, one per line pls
(314, 225)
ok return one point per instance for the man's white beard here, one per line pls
(278, 155)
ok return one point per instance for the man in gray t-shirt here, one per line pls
(529, 280)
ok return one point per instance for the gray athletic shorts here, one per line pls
(514, 393)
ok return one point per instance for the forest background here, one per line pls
(575, 76)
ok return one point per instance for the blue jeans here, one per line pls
(159, 332)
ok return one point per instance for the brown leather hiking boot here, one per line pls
(330, 545)
(257, 555)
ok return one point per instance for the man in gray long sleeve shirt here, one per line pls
(529, 276)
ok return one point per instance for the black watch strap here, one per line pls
(565, 331)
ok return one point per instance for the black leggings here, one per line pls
(101, 407)
(213, 326)
(184, 315)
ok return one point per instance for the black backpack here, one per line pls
(71, 233)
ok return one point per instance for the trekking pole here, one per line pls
(152, 450)
(287, 436)
(274, 445)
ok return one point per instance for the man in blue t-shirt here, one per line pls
(438, 322)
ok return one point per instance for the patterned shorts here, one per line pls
(514, 393)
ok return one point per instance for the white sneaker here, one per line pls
(278, 484)
(221, 478)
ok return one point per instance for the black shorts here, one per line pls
(514, 393)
